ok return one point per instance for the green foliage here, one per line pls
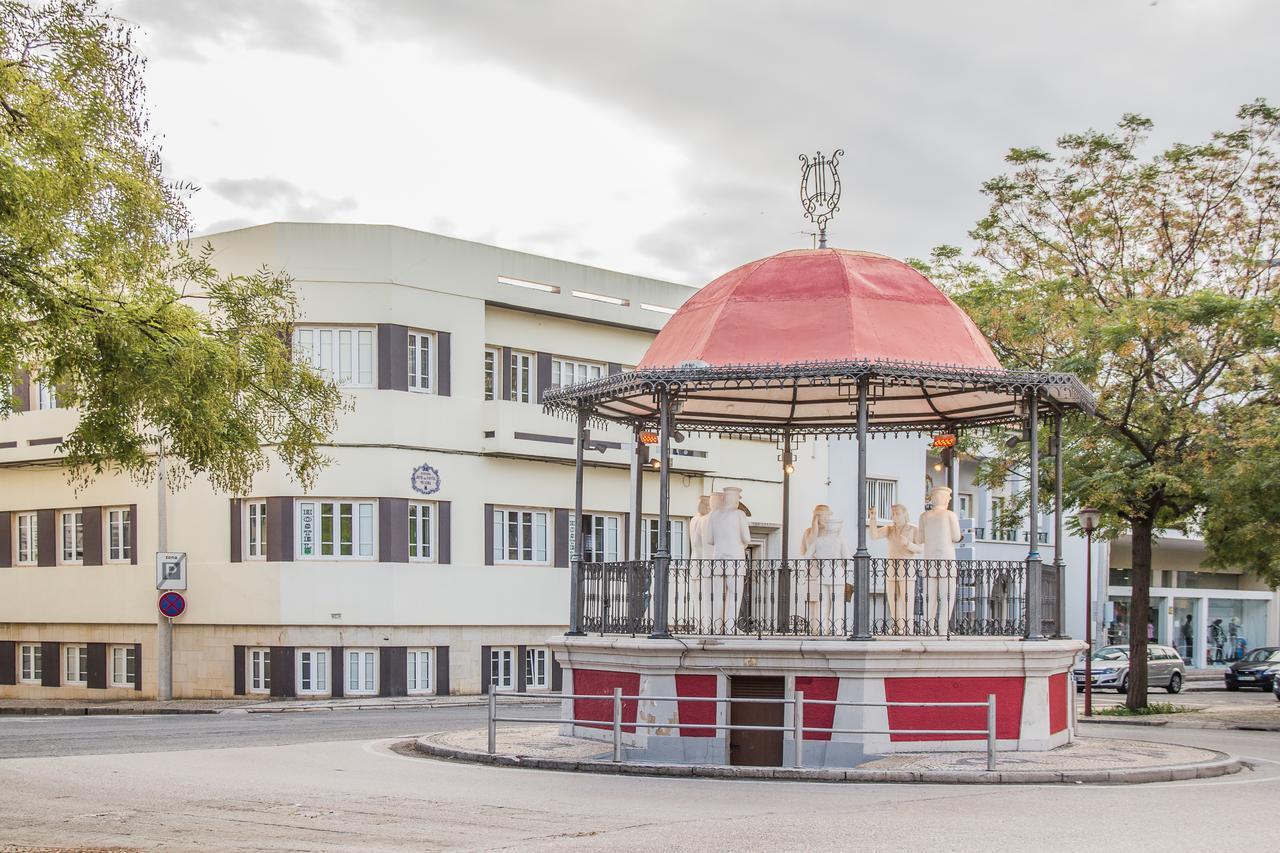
(1146, 711)
(101, 296)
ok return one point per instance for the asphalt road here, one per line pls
(330, 781)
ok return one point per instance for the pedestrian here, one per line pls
(1187, 639)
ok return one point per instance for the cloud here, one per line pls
(280, 199)
(197, 28)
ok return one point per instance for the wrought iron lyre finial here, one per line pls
(820, 190)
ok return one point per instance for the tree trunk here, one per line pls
(1139, 613)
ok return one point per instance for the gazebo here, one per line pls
(805, 343)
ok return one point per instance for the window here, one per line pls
(29, 668)
(675, 535)
(77, 671)
(602, 543)
(521, 377)
(26, 539)
(565, 373)
(335, 529)
(420, 346)
(119, 549)
(419, 674)
(362, 671)
(421, 538)
(535, 668)
(343, 355)
(964, 505)
(259, 665)
(72, 536)
(882, 494)
(490, 374)
(124, 666)
(502, 669)
(46, 396)
(313, 671)
(255, 543)
(519, 536)
(998, 512)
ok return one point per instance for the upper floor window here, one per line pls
(26, 539)
(964, 505)
(491, 374)
(521, 377)
(882, 494)
(565, 372)
(335, 529)
(602, 540)
(255, 546)
(119, 546)
(72, 536)
(344, 355)
(421, 538)
(519, 536)
(420, 347)
(676, 536)
(46, 396)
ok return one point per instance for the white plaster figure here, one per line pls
(729, 534)
(710, 591)
(900, 575)
(697, 527)
(939, 531)
(821, 513)
(825, 584)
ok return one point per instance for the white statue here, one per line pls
(708, 589)
(729, 534)
(821, 513)
(826, 583)
(938, 532)
(698, 527)
(900, 575)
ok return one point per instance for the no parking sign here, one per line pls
(172, 604)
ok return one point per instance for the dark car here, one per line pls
(1258, 669)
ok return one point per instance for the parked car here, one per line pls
(1275, 688)
(1258, 668)
(1111, 669)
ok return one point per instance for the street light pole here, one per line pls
(1088, 517)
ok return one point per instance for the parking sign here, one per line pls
(171, 570)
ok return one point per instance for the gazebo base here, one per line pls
(1030, 680)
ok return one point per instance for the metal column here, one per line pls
(784, 572)
(164, 625)
(662, 559)
(637, 497)
(1059, 562)
(1035, 631)
(861, 556)
(576, 558)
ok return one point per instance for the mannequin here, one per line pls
(728, 534)
(939, 531)
(821, 513)
(826, 584)
(900, 577)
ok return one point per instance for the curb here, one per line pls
(1222, 765)
(102, 712)
(258, 709)
(1183, 724)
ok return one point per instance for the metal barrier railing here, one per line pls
(797, 727)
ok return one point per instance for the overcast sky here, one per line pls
(662, 138)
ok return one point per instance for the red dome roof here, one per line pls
(820, 305)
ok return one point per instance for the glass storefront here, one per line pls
(1186, 624)
(1235, 627)
(1118, 621)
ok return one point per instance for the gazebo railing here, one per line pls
(810, 597)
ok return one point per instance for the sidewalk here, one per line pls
(78, 707)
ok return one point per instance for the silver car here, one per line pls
(1111, 669)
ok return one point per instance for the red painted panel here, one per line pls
(1007, 689)
(1057, 702)
(818, 716)
(696, 712)
(601, 682)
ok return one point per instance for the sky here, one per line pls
(662, 137)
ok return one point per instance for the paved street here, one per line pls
(330, 780)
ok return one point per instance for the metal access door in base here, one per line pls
(754, 748)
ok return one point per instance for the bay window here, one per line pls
(344, 355)
(335, 529)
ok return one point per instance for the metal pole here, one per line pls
(493, 721)
(576, 558)
(164, 625)
(861, 556)
(617, 725)
(662, 559)
(1035, 630)
(784, 573)
(797, 728)
(1088, 623)
(637, 498)
(1061, 627)
(991, 731)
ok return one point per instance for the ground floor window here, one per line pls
(259, 670)
(77, 671)
(535, 668)
(30, 666)
(124, 666)
(419, 670)
(1235, 627)
(362, 669)
(502, 675)
(313, 671)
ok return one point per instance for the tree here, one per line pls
(100, 294)
(1150, 278)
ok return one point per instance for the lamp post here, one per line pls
(1088, 518)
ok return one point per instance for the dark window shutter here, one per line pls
(280, 534)
(91, 516)
(392, 671)
(557, 675)
(614, 368)
(6, 540)
(51, 664)
(237, 542)
(282, 673)
(337, 673)
(442, 671)
(506, 373)
(485, 675)
(543, 374)
(47, 537)
(137, 665)
(444, 364)
(520, 673)
(8, 662)
(444, 532)
(488, 534)
(133, 534)
(97, 675)
(237, 670)
(393, 530)
(393, 357)
(562, 539)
